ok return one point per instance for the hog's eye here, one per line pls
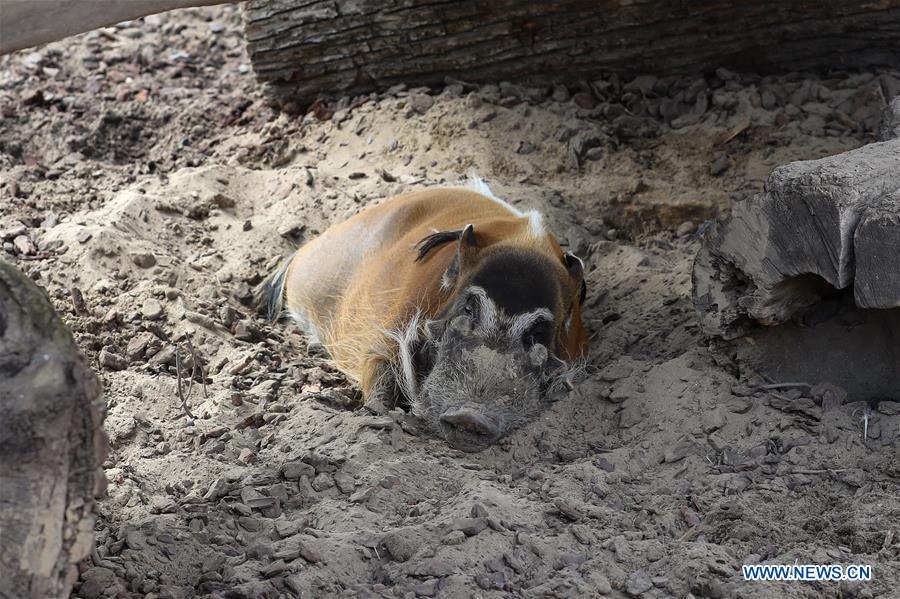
(539, 332)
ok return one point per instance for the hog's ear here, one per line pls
(575, 266)
(466, 250)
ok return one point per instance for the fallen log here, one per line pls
(51, 445)
(27, 23)
(305, 48)
(801, 282)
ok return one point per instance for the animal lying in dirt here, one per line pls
(448, 301)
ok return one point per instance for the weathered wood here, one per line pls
(816, 253)
(306, 48)
(26, 23)
(51, 445)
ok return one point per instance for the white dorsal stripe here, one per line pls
(477, 184)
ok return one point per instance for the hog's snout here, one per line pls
(468, 429)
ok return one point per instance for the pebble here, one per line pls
(294, 470)
(143, 259)
(276, 568)
(719, 165)
(685, 228)
(454, 537)
(247, 456)
(322, 482)
(151, 309)
(631, 414)
(12, 231)
(344, 482)
(638, 583)
(679, 451)
(713, 420)
(428, 588)
(248, 523)
(469, 526)
(24, 246)
(420, 103)
(111, 360)
(561, 94)
(390, 481)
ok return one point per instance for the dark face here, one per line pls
(491, 352)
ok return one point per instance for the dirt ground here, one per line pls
(149, 187)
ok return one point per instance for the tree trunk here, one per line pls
(26, 23)
(801, 282)
(307, 48)
(51, 445)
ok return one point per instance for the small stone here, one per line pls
(469, 526)
(428, 588)
(322, 482)
(294, 470)
(719, 165)
(421, 103)
(286, 528)
(889, 408)
(599, 583)
(638, 583)
(829, 396)
(713, 420)
(151, 310)
(561, 94)
(97, 581)
(24, 246)
(679, 451)
(362, 495)
(344, 483)
(248, 523)
(685, 228)
(143, 259)
(403, 543)
(276, 568)
(584, 100)
(616, 371)
(12, 231)
(309, 553)
(246, 330)
(632, 414)
(247, 456)
(112, 361)
(454, 537)
(390, 481)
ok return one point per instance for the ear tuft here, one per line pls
(467, 237)
(575, 266)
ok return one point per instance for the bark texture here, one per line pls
(51, 445)
(817, 254)
(306, 48)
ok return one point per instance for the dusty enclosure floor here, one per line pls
(141, 166)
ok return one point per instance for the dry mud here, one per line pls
(143, 169)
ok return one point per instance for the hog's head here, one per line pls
(511, 328)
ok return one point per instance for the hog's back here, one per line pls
(360, 277)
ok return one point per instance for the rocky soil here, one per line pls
(149, 188)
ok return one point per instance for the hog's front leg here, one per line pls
(381, 391)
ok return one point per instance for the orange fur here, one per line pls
(361, 278)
